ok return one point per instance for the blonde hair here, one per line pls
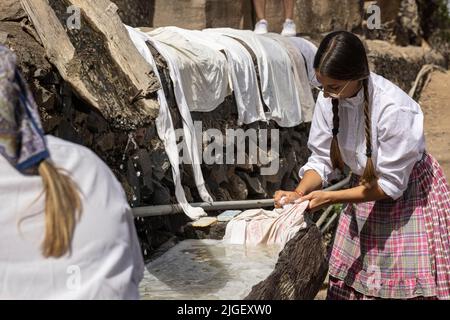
(62, 209)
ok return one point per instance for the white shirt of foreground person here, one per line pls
(397, 135)
(105, 260)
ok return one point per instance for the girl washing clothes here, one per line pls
(392, 240)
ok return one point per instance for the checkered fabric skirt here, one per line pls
(396, 249)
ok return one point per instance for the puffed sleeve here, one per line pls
(319, 144)
(401, 145)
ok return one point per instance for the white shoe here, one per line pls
(289, 28)
(261, 27)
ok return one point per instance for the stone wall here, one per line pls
(401, 64)
(317, 16)
(200, 14)
(311, 16)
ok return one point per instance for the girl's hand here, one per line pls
(289, 197)
(318, 200)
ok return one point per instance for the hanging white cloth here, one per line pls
(300, 75)
(243, 79)
(308, 50)
(190, 139)
(241, 72)
(201, 70)
(278, 86)
(165, 128)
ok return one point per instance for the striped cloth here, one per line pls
(396, 249)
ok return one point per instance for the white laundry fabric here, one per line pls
(241, 72)
(102, 265)
(278, 86)
(308, 50)
(264, 227)
(397, 135)
(244, 80)
(188, 125)
(202, 70)
(165, 128)
(300, 75)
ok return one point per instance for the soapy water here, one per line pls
(207, 269)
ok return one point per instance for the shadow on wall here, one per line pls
(201, 14)
(189, 14)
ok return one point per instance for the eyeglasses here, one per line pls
(332, 94)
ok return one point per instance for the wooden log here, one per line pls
(98, 59)
(300, 271)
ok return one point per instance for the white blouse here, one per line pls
(397, 135)
(105, 263)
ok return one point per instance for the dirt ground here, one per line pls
(435, 103)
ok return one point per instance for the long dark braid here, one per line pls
(369, 176)
(335, 152)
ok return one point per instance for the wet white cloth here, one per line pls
(243, 78)
(264, 227)
(241, 71)
(300, 75)
(308, 50)
(165, 128)
(275, 67)
(193, 156)
(105, 263)
(397, 135)
(201, 70)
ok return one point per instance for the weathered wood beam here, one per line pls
(97, 59)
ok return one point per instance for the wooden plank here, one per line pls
(204, 222)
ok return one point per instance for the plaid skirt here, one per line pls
(396, 249)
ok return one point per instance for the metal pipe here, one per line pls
(329, 223)
(324, 216)
(161, 210)
(218, 205)
(338, 185)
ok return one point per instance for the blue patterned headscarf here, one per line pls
(22, 140)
